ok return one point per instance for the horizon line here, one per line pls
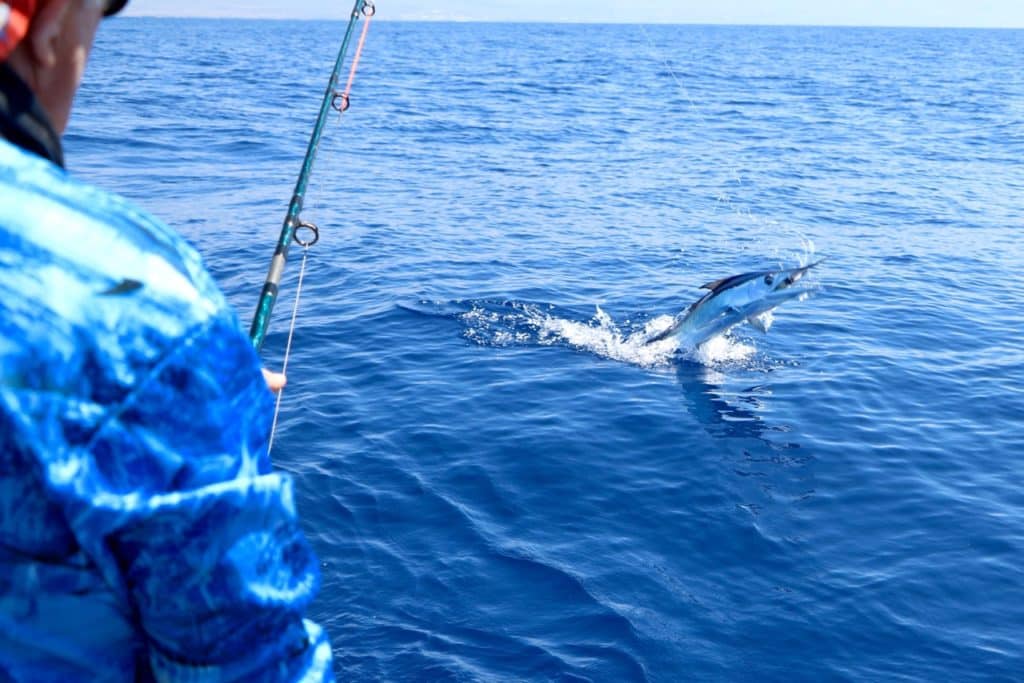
(570, 22)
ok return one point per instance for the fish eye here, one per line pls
(768, 279)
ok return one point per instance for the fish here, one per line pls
(730, 301)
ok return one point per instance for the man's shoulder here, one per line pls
(83, 237)
(83, 268)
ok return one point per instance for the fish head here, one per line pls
(778, 280)
(759, 284)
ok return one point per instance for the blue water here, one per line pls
(501, 482)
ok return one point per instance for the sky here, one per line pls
(967, 13)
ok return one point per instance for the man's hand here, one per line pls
(275, 380)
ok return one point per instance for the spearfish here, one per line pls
(732, 300)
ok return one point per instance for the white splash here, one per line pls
(722, 349)
(603, 337)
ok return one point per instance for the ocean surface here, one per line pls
(501, 481)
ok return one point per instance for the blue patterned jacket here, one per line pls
(143, 533)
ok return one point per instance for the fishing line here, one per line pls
(734, 171)
(657, 56)
(369, 11)
(288, 344)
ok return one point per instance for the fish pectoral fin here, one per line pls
(664, 334)
(760, 322)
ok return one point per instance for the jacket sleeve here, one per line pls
(174, 498)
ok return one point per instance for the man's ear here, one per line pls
(45, 31)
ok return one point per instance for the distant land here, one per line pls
(868, 13)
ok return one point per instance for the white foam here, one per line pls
(722, 349)
(603, 337)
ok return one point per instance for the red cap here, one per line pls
(14, 18)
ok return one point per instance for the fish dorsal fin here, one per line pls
(715, 284)
(727, 282)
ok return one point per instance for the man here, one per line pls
(143, 535)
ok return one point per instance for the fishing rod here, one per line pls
(294, 228)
